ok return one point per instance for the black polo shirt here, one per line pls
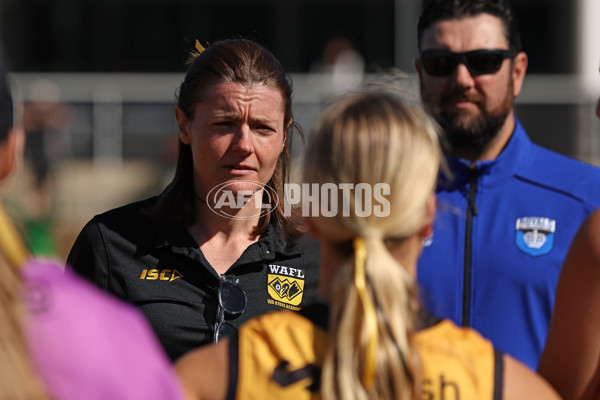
(159, 267)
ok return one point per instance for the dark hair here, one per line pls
(437, 10)
(248, 63)
(6, 104)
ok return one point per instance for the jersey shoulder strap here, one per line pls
(279, 355)
(458, 363)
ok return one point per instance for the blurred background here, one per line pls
(96, 80)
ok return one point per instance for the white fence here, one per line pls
(116, 109)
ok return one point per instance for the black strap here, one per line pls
(498, 374)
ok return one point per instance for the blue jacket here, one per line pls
(501, 233)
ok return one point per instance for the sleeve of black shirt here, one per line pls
(88, 256)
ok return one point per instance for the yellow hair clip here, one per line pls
(199, 47)
(360, 280)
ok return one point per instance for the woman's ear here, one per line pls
(183, 126)
(431, 205)
(285, 134)
(427, 231)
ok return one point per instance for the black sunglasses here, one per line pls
(478, 62)
(232, 302)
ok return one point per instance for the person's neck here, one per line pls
(209, 224)
(332, 259)
(493, 149)
(222, 240)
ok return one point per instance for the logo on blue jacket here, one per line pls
(535, 235)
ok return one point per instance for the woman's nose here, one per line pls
(242, 140)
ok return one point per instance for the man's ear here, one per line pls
(8, 151)
(520, 64)
(183, 126)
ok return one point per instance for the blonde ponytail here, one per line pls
(373, 138)
(347, 368)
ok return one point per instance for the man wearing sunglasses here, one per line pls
(511, 208)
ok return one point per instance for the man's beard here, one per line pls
(472, 131)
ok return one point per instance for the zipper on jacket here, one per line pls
(471, 212)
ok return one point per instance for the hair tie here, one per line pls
(360, 281)
(199, 47)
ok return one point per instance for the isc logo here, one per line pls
(162, 274)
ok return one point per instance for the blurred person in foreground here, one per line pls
(508, 215)
(571, 358)
(60, 337)
(217, 246)
(368, 338)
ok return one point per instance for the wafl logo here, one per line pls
(226, 202)
(535, 235)
(285, 286)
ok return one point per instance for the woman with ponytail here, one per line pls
(371, 168)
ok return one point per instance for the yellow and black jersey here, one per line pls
(279, 356)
